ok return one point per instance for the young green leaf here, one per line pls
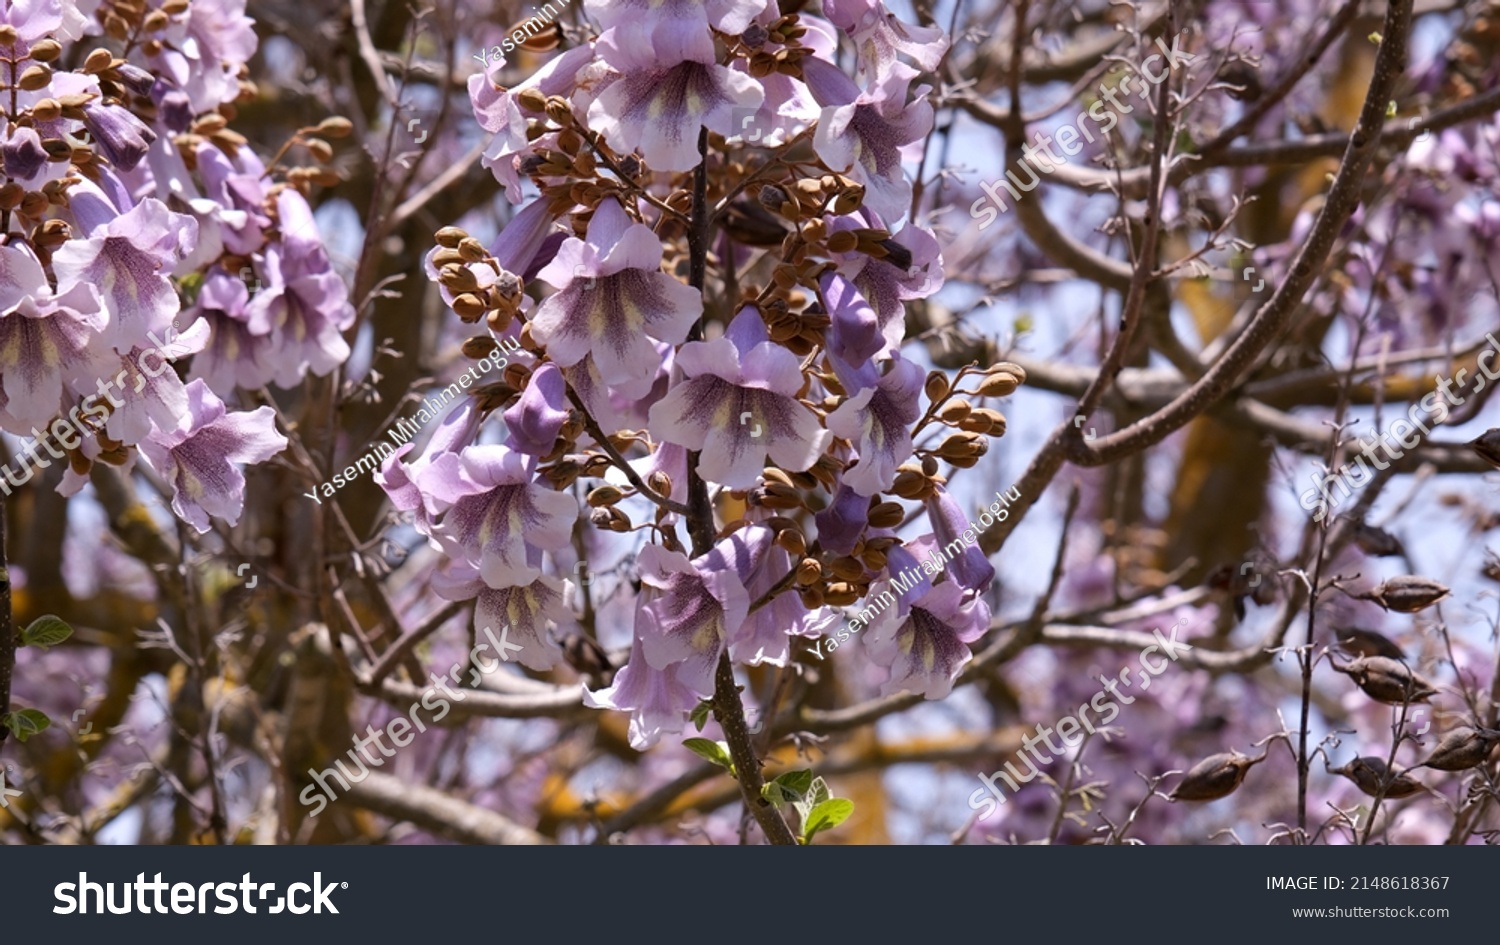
(46, 631)
(700, 713)
(787, 788)
(26, 723)
(826, 816)
(715, 752)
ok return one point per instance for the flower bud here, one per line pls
(660, 483)
(887, 515)
(840, 594)
(936, 386)
(954, 411)
(998, 385)
(479, 347)
(98, 61)
(812, 597)
(604, 495)
(450, 237)
(45, 50)
(532, 99)
(335, 126)
(809, 572)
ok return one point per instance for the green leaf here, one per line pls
(700, 713)
(826, 816)
(818, 792)
(27, 723)
(715, 752)
(787, 788)
(46, 631)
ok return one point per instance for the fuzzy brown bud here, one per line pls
(46, 50)
(1357, 642)
(887, 515)
(335, 126)
(936, 386)
(840, 594)
(809, 572)
(660, 483)
(450, 236)
(605, 495)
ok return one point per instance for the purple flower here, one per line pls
(122, 137)
(197, 457)
(304, 301)
(612, 298)
(241, 350)
(738, 403)
(881, 285)
(496, 512)
(46, 339)
(844, 521)
(657, 700)
(877, 420)
(868, 132)
(924, 644)
(128, 260)
(663, 97)
(701, 604)
(879, 36)
(526, 611)
(766, 635)
(966, 562)
(23, 154)
(537, 418)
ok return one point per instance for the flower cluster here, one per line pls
(720, 351)
(131, 209)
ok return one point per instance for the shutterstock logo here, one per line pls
(188, 899)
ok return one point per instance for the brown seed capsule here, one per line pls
(1214, 777)
(1386, 680)
(1461, 749)
(660, 483)
(450, 237)
(1357, 642)
(792, 542)
(910, 483)
(34, 77)
(1370, 775)
(98, 61)
(1407, 594)
(1487, 445)
(335, 126)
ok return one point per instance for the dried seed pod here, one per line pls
(1377, 541)
(1214, 777)
(1370, 775)
(1386, 680)
(1357, 642)
(1407, 594)
(1487, 445)
(1461, 749)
